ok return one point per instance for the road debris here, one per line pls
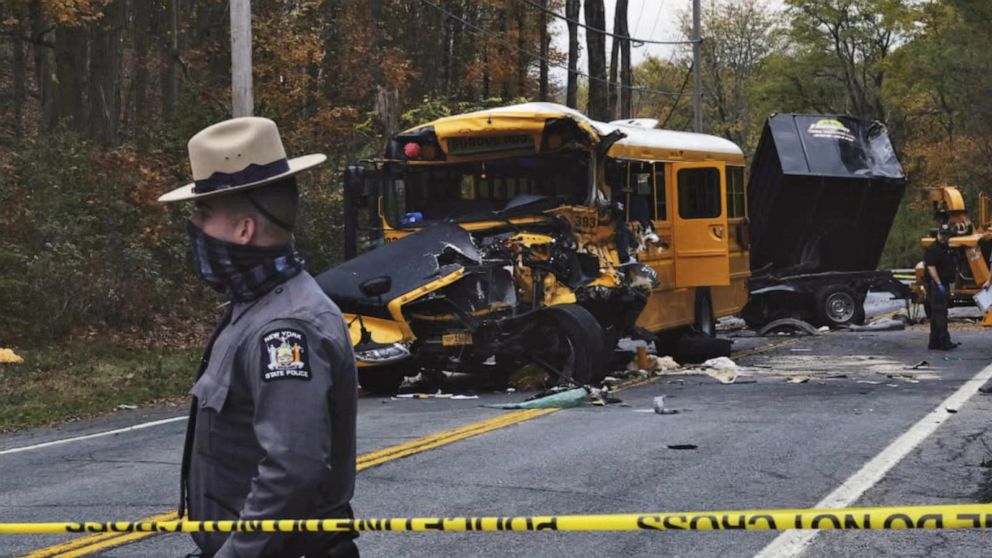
(722, 369)
(886, 324)
(438, 395)
(682, 446)
(126, 407)
(557, 400)
(658, 406)
(797, 379)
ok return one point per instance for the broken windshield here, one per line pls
(471, 191)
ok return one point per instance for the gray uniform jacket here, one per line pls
(274, 435)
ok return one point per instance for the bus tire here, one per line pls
(569, 338)
(381, 380)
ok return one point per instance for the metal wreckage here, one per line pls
(531, 234)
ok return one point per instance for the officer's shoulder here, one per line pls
(302, 299)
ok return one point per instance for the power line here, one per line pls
(675, 103)
(603, 31)
(539, 57)
(661, 7)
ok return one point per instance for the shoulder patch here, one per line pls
(285, 355)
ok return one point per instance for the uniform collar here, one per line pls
(241, 308)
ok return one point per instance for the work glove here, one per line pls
(942, 289)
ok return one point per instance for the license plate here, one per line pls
(456, 339)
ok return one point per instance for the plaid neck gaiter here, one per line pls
(243, 273)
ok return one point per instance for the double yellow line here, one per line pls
(83, 546)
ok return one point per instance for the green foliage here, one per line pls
(56, 383)
(433, 108)
(84, 248)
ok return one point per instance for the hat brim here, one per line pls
(296, 165)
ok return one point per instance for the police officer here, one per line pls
(272, 428)
(940, 269)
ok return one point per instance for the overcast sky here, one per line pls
(656, 20)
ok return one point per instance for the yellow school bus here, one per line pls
(499, 232)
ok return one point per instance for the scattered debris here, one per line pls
(788, 326)
(797, 379)
(800, 350)
(730, 323)
(654, 364)
(921, 364)
(126, 407)
(437, 395)
(8, 356)
(951, 410)
(611, 381)
(722, 369)
(682, 446)
(721, 363)
(659, 407)
(871, 382)
(560, 400)
(887, 324)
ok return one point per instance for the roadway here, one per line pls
(804, 419)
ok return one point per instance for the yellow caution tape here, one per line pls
(977, 516)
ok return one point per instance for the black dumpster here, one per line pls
(822, 194)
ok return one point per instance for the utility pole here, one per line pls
(697, 70)
(242, 98)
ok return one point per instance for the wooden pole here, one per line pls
(242, 98)
(697, 70)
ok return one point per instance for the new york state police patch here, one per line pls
(285, 356)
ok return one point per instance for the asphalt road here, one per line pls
(801, 419)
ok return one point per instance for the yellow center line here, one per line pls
(94, 543)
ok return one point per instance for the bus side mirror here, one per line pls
(376, 287)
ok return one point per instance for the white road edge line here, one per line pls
(141, 426)
(793, 543)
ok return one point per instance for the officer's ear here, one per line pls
(245, 230)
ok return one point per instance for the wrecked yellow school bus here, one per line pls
(533, 234)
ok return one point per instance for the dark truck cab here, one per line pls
(822, 195)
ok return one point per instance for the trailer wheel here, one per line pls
(381, 380)
(836, 306)
(570, 340)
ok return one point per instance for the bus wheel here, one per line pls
(381, 380)
(568, 342)
(705, 322)
(836, 306)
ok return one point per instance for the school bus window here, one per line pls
(640, 193)
(468, 188)
(661, 205)
(735, 192)
(699, 193)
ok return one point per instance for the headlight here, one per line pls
(382, 354)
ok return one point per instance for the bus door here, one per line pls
(363, 187)
(700, 235)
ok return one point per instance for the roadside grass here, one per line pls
(77, 380)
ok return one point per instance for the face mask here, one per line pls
(241, 272)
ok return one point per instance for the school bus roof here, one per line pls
(640, 142)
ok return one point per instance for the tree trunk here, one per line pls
(17, 43)
(104, 79)
(542, 87)
(626, 74)
(43, 68)
(141, 31)
(523, 61)
(613, 93)
(596, 51)
(71, 50)
(170, 73)
(571, 90)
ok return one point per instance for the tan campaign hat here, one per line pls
(238, 154)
